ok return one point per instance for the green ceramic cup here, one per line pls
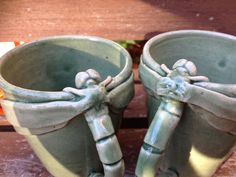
(70, 129)
(192, 123)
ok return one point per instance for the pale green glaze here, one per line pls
(205, 133)
(166, 118)
(33, 77)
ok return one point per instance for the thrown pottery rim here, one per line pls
(150, 61)
(121, 77)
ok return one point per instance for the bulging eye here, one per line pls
(191, 67)
(80, 79)
(180, 63)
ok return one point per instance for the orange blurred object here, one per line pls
(5, 47)
(1, 97)
(1, 94)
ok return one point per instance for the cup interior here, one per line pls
(213, 54)
(51, 64)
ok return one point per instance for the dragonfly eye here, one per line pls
(93, 74)
(80, 79)
(89, 77)
(180, 63)
(191, 67)
(187, 67)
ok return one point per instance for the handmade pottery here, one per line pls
(191, 139)
(65, 94)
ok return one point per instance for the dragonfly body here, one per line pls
(99, 121)
(165, 120)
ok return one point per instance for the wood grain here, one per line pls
(137, 108)
(27, 20)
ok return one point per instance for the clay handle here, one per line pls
(107, 144)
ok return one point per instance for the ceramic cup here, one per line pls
(65, 94)
(189, 77)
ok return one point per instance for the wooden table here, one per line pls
(27, 20)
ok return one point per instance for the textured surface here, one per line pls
(27, 20)
(134, 19)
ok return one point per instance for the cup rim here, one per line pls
(11, 89)
(148, 60)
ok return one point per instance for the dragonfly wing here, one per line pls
(42, 115)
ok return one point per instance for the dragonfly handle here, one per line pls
(99, 122)
(107, 144)
(165, 120)
(158, 136)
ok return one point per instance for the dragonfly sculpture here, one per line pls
(99, 121)
(90, 97)
(213, 102)
(167, 116)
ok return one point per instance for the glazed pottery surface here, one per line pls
(206, 130)
(33, 77)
